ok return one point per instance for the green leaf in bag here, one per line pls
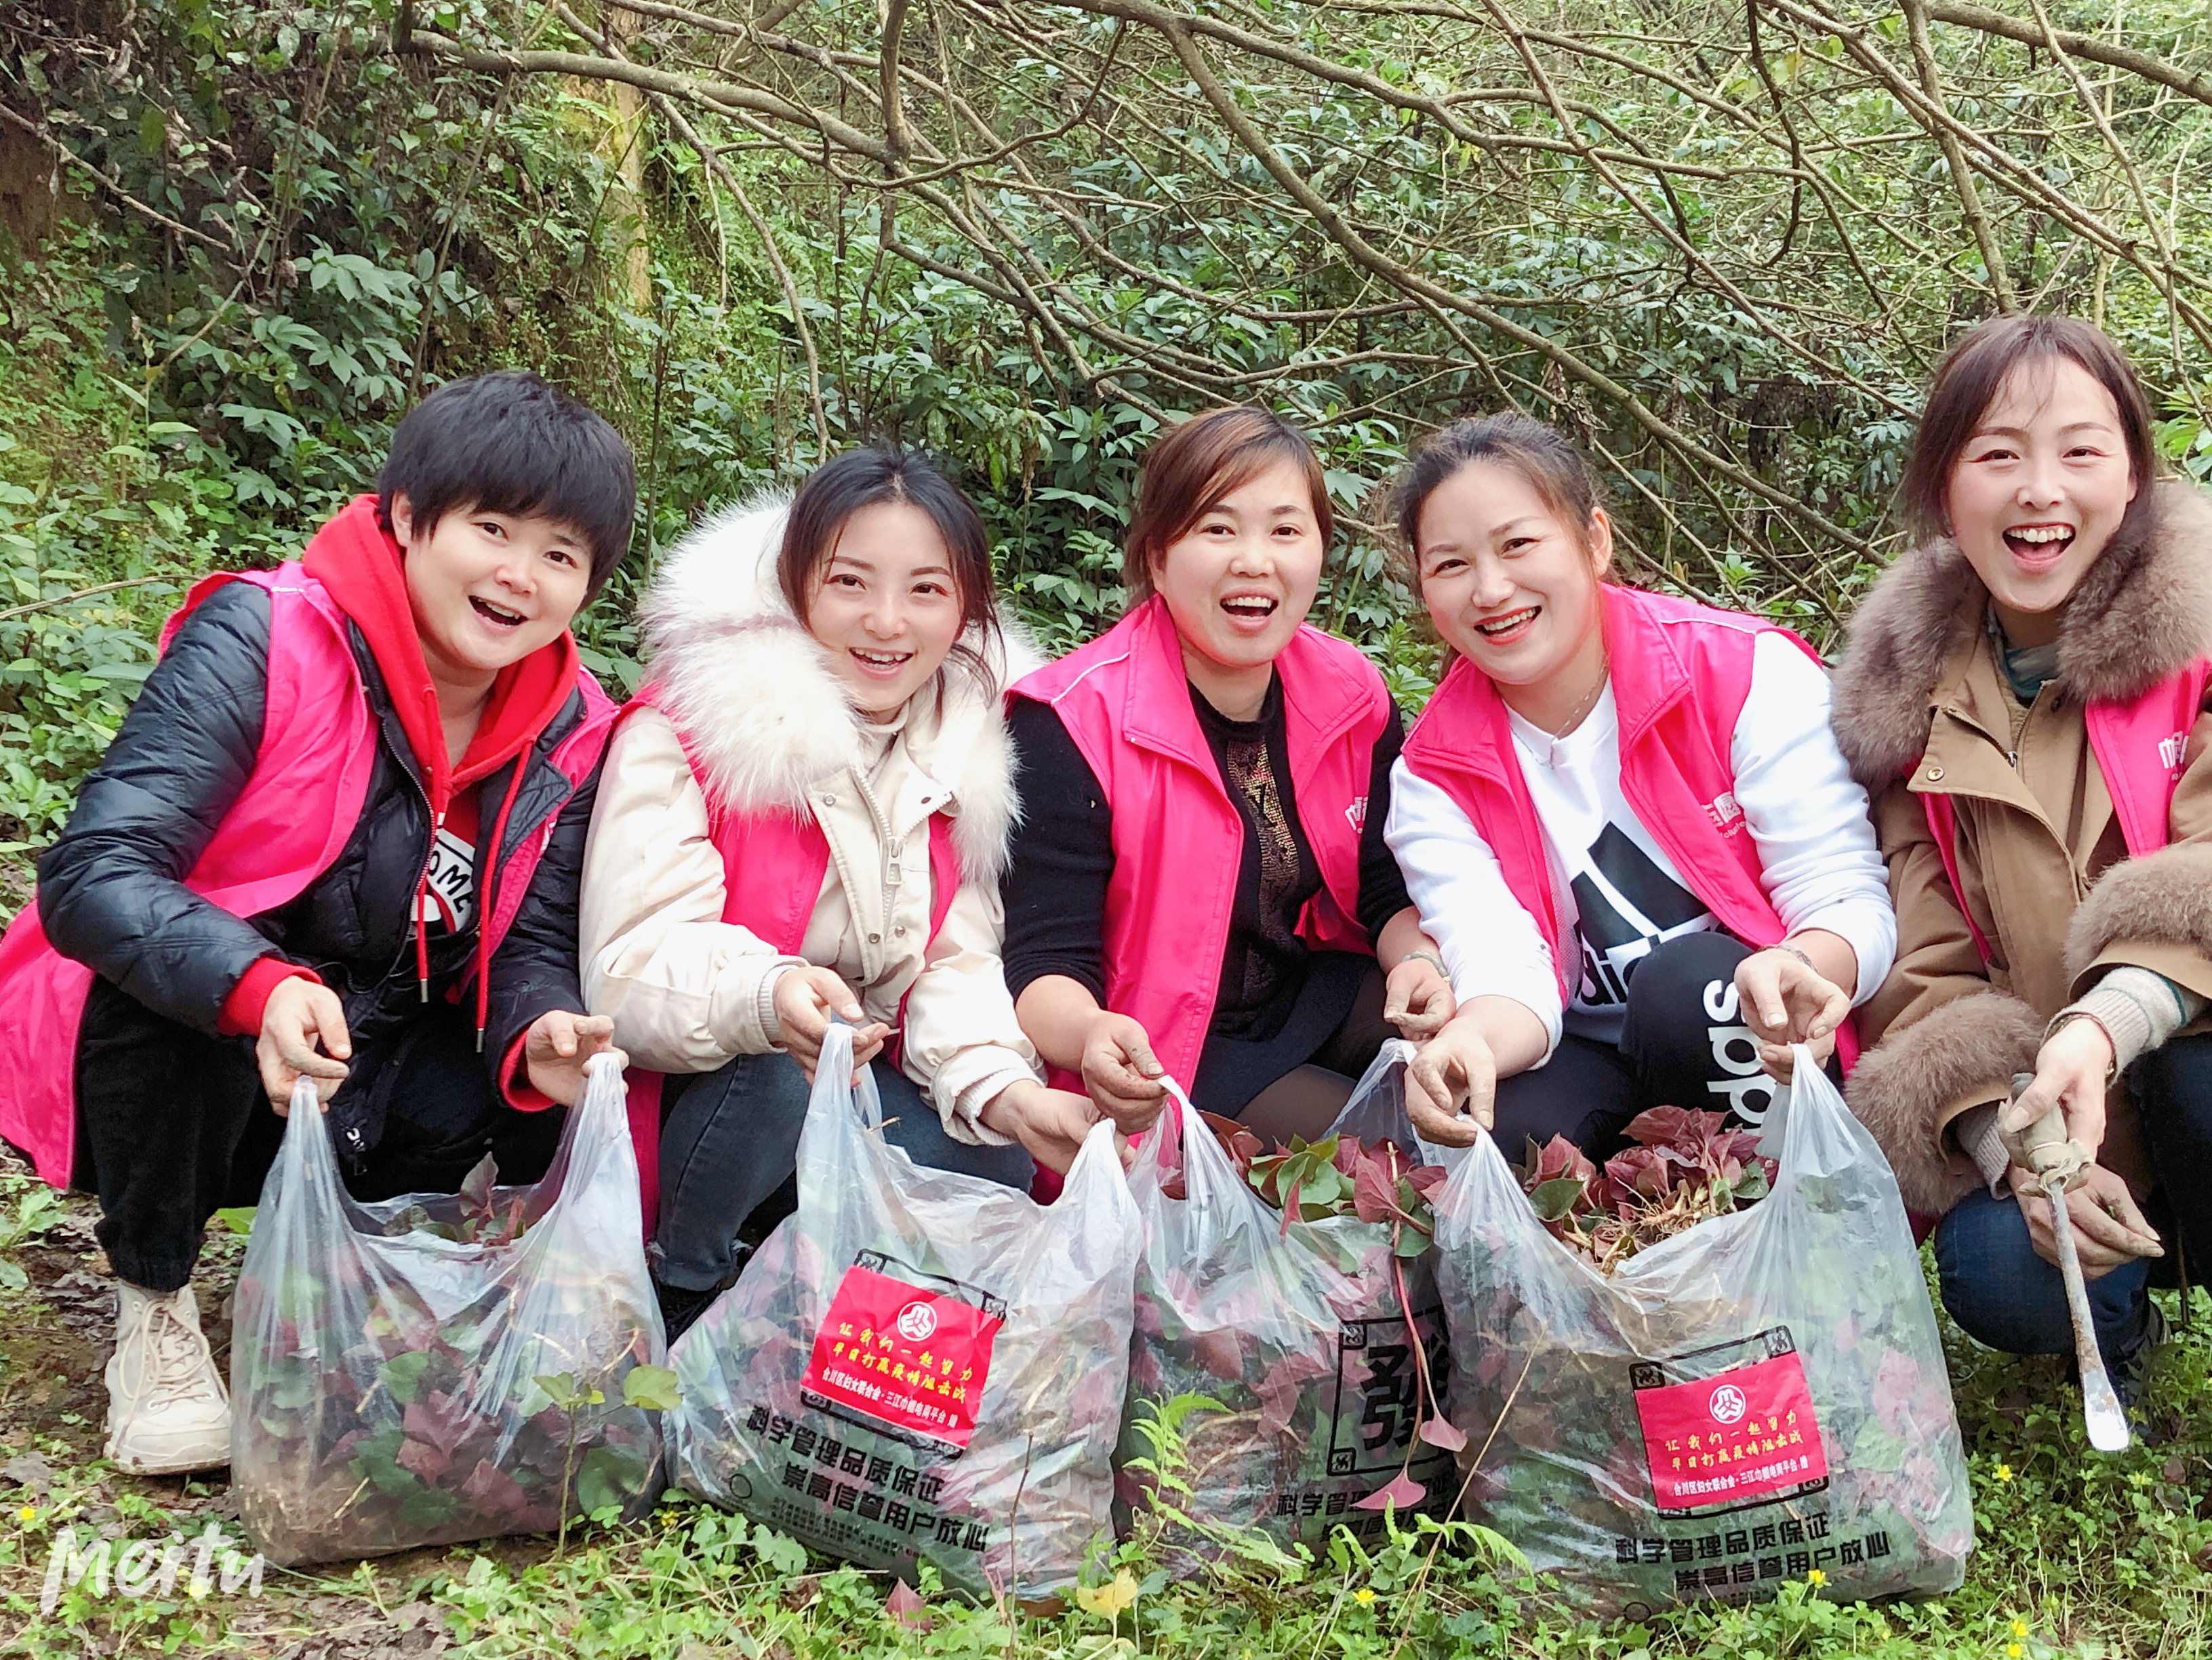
(1555, 1198)
(402, 1374)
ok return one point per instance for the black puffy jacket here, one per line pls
(111, 893)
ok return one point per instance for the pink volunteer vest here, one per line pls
(773, 865)
(1681, 672)
(309, 779)
(1178, 840)
(2139, 748)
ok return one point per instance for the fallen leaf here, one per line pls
(29, 1469)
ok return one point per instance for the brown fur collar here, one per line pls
(2142, 612)
(1906, 1087)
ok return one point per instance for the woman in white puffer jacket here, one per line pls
(804, 816)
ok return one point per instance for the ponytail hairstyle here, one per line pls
(1188, 472)
(859, 478)
(1553, 467)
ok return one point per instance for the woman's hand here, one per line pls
(1785, 1000)
(806, 1001)
(1050, 1124)
(556, 1047)
(300, 1013)
(2108, 1229)
(1120, 1073)
(1456, 1066)
(2070, 1069)
(1417, 998)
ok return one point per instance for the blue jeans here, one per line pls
(729, 1138)
(2003, 1294)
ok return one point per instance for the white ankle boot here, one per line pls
(168, 1410)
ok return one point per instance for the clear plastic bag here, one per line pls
(1297, 1331)
(383, 1377)
(919, 1364)
(1759, 1396)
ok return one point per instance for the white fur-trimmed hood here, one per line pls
(766, 717)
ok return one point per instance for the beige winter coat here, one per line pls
(769, 727)
(1921, 708)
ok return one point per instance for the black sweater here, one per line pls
(1063, 858)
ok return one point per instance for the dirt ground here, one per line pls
(55, 1337)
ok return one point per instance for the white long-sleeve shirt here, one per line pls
(1618, 893)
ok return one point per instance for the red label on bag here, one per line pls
(1737, 1436)
(913, 1358)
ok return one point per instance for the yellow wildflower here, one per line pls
(2004, 1472)
(2019, 1626)
(28, 1514)
(1816, 1578)
(2012, 1651)
(1110, 1598)
(1363, 1595)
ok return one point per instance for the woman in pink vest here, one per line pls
(339, 836)
(1622, 816)
(803, 818)
(2025, 694)
(1199, 884)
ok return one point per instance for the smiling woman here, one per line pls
(1199, 885)
(2025, 693)
(1622, 816)
(802, 820)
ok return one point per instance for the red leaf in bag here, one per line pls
(1374, 1193)
(1642, 1170)
(494, 1492)
(1219, 1351)
(1427, 1178)
(1680, 1129)
(1556, 1157)
(1400, 1490)
(1279, 1390)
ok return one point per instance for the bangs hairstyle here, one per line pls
(1189, 470)
(1969, 381)
(1553, 467)
(508, 442)
(844, 484)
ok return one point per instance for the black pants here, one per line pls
(1681, 1045)
(1290, 1085)
(729, 1156)
(173, 1125)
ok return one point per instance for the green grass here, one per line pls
(2077, 1554)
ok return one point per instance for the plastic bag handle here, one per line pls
(1203, 1166)
(834, 1063)
(1796, 1101)
(309, 1159)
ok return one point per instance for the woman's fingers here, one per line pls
(1431, 1101)
(2105, 1215)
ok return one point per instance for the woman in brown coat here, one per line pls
(2024, 696)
